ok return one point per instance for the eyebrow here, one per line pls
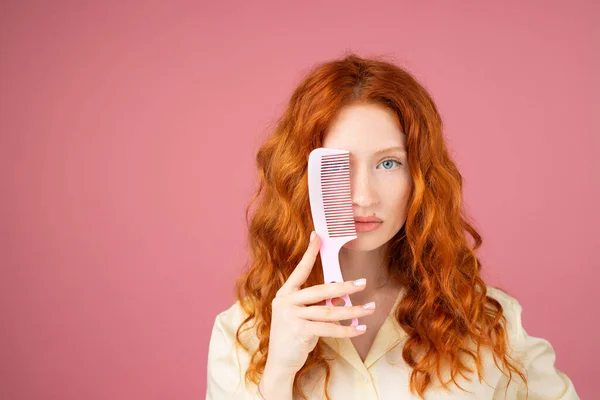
(390, 149)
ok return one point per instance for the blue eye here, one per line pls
(390, 161)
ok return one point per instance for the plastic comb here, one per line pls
(331, 208)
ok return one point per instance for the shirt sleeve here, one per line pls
(225, 377)
(537, 355)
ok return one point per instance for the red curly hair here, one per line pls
(445, 303)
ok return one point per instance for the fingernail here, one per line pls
(361, 327)
(312, 236)
(369, 306)
(360, 282)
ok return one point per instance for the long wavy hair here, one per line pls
(445, 304)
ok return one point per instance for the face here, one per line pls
(379, 176)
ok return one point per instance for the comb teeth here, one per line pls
(337, 198)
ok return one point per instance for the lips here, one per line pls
(367, 224)
(359, 219)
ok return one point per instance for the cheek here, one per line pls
(396, 193)
(398, 207)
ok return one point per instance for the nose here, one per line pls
(364, 193)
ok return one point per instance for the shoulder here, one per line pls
(511, 309)
(227, 360)
(228, 321)
(230, 318)
(502, 296)
(536, 354)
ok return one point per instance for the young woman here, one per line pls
(434, 329)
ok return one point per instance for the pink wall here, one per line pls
(127, 142)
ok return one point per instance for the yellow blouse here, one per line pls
(380, 377)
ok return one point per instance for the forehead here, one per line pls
(364, 128)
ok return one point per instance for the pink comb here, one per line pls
(331, 207)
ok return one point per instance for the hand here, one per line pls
(296, 324)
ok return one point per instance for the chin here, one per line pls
(367, 242)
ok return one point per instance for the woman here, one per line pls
(434, 329)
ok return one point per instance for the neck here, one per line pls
(371, 265)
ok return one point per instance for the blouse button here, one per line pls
(365, 379)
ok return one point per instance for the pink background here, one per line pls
(127, 142)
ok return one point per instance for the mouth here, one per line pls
(366, 223)
(367, 226)
(367, 220)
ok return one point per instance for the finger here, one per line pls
(333, 330)
(300, 274)
(317, 293)
(331, 313)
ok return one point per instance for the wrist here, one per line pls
(276, 384)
